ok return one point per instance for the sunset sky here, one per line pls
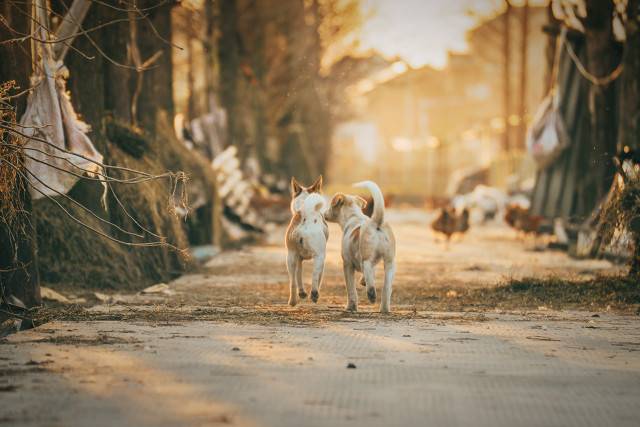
(422, 31)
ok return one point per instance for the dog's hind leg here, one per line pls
(292, 269)
(369, 272)
(389, 273)
(316, 278)
(352, 294)
(301, 292)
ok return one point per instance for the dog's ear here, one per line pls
(362, 203)
(338, 200)
(296, 188)
(316, 187)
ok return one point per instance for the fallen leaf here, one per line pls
(541, 338)
(102, 297)
(159, 288)
(51, 295)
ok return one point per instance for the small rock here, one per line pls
(235, 349)
(596, 315)
(351, 365)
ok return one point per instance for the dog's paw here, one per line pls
(293, 302)
(302, 294)
(315, 295)
(371, 294)
(384, 309)
(352, 307)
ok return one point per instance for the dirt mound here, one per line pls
(73, 254)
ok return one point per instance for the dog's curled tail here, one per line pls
(313, 203)
(378, 200)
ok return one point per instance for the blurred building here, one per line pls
(437, 126)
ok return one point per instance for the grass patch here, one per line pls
(602, 293)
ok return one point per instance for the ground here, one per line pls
(221, 347)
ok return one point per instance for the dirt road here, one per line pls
(221, 347)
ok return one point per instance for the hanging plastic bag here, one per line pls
(547, 136)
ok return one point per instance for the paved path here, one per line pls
(573, 370)
(223, 348)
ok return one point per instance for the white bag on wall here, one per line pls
(547, 136)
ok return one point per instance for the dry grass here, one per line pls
(265, 304)
(602, 293)
(622, 212)
(72, 255)
(11, 160)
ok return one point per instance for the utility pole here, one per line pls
(524, 51)
(506, 78)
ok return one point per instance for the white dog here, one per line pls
(365, 241)
(306, 238)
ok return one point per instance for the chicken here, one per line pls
(450, 223)
(522, 220)
(463, 222)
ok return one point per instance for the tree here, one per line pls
(18, 260)
(602, 58)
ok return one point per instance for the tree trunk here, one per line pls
(117, 78)
(210, 52)
(18, 255)
(552, 29)
(629, 125)
(629, 131)
(524, 53)
(506, 77)
(601, 61)
(191, 85)
(228, 56)
(154, 37)
(87, 81)
(258, 101)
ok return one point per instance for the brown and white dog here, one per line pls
(306, 238)
(365, 242)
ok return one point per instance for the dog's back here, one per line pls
(308, 231)
(376, 237)
(377, 242)
(306, 238)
